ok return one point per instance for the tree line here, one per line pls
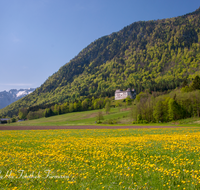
(67, 107)
(179, 104)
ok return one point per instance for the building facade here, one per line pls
(119, 94)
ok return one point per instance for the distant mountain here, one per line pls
(157, 55)
(8, 97)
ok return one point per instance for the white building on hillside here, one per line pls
(119, 94)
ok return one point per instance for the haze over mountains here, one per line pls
(156, 55)
(8, 97)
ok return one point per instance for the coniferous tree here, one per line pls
(196, 83)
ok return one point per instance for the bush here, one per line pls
(110, 121)
(140, 122)
(35, 115)
(186, 89)
(13, 120)
(144, 121)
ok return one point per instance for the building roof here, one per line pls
(128, 90)
(118, 90)
(4, 119)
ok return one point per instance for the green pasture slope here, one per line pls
(116, 116)
(80, 118)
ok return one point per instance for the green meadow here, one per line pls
(81, 118)
(101, 159)
(116, 116)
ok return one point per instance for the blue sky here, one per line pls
(37, 37)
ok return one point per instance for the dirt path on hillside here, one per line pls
(79, 127)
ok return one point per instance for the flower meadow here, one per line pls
(167, 158)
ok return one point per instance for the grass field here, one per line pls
(119, 116)
(80, 118)
(101, 159)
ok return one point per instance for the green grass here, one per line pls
(116, 116)
(101, 159)
(77, 118)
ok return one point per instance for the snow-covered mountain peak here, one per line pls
(8, 97)
(24, 92)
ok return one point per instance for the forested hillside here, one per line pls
(155, 55)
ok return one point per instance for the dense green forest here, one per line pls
(155, 55)
(179, 104)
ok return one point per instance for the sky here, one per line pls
(37, 37)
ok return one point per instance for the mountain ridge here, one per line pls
(8, 97)
(155, 55)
